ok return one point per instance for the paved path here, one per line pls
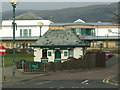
(94, 75)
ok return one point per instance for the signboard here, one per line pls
(2, 50)
(34, 66)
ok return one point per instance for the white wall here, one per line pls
(64, 57)
(52, 57)
(104, 31)
(37, 54)
(7, 30)
(78, 52)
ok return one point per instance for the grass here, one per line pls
(9, 58)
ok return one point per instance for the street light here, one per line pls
(40, 25)
(107, 40)
(14, 3)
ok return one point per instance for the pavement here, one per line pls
(78, 74)
(19, 76)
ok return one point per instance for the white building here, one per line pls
(27, 29)
(58, 46)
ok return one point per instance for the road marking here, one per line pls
(84, 81)
(107, 80)
(43, 82)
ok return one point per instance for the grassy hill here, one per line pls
(89, 13)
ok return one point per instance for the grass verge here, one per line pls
(9, 58)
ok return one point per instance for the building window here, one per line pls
(30, 45)
(25, 32)
(29, 32)
(18, 45)
(84, 31)
(65, 53)
(117, 43)
(49, 53)
(44, 53)
(7, 44)
(26, 45)
(109, 30)
(20, 32)
(71, 53)
(99, 43)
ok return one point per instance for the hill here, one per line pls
(89, 13)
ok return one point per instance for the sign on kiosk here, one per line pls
(2, 50)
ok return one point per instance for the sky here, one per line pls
(6, 6)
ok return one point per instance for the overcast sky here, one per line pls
(6, 6)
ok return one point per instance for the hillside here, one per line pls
(89, 14)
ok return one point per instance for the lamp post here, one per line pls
(107, 40)
(14, 3)
(40, 25)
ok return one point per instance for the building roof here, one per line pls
(89, 23)
(28, 16)
(19, 38)
(100, 37)
(79, 21)
(59, 38)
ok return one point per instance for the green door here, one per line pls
(57, 54)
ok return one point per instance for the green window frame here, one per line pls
(25, 32)
(49, 53)
(65, 53)
(71, 53)
(20, 32)
(29, 32)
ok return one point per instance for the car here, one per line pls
(108, 54)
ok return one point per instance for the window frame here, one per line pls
(65, 53)
(71, 55)
(49, 53)
(25, 32)
(44, 53)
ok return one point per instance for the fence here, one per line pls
(90, 60)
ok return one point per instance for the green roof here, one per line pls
(64, 37)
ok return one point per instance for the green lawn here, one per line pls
(9, 58)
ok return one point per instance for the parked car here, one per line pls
(108, 54)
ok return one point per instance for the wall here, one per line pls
(37, 54)
(7, 30)
(11, 43)
(78, 52)
(52, 57)
(111, 43)
(104, 31)
(99, 30)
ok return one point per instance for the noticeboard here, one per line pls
(34, 66)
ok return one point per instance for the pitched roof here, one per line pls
(28, 16)
(59, 38)
(79, 21)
